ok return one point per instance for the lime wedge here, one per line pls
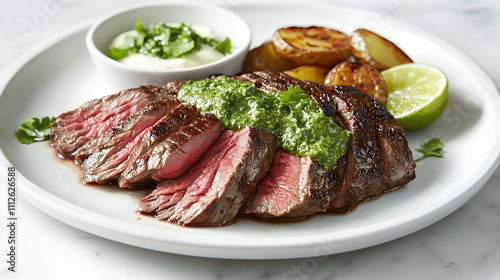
(418, 94)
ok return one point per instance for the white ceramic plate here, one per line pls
(58, 76)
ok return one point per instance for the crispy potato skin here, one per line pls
(265, 57)
(359, 75)
(307, 53)
(371, 48)
(313, 45)
(309, 73)
(254, 60)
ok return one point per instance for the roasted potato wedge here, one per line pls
(312, 46)
(273, 61)
(371, 48)
(265, 57)
(309, 73)
(359, 75)
(253, 60)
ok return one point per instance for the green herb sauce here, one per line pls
(165, 41)
(298, 122)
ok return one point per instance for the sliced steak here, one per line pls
(166, 155)
(364, 177)
(163, 199)
(295, 187)
(214, 189)
(106, 164)
(394, 158)
(378, 159)
(77, 131)
(398, 163)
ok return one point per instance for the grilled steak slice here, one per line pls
(163, 155)
(395, 160)
(398, 163)
(217, 195)
(163, 199)
(106, 164)
(364, 177)
(177, 153)
(294, 187)
(379, 158)
(214, 189)
(77, 131)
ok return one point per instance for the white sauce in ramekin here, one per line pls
(152, 63)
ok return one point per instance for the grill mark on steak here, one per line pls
(364, 177)
(398, 163)
(214, 189)
(106, 164)
(168, 154)
(378, 159)
(294, 187)
(75, 132)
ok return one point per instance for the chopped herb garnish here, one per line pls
(34, 130)
(165, 41)
(433, 148)
(298, 122)
(292, 97)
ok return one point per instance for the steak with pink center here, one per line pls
(221, 181)
(295, 187)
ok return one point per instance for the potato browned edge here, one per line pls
(265, 57)
(369, 47)
(362, 76)
(309, 73)
(313, 45)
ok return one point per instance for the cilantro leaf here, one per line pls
(34, 130)
(117, 54)
(223, 47)
(292, 97)
(433, 148)
(177, 48)
(138, 25)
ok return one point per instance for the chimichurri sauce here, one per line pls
(298, 122)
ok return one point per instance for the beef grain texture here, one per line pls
(111, 157)
(75, 133)
(166, 155)
(212, 192)
(294, 187)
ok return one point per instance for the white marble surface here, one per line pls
(464, 245)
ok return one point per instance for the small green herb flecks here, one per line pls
(298, 122)
(165, 41)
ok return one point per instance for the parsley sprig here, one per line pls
(292, 97)
(34, 130)
(433, 148)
